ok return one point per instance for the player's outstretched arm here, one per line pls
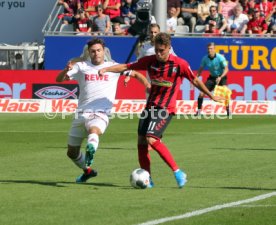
(62, 76)
(141, 78)
(199, 71)
(115, 69)
(201, 86)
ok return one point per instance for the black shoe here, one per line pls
(86, 175)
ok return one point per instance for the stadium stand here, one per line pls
(181, 30)
(199, 29)
(23, 56)
(66, 29)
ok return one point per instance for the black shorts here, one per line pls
(211, 82)
(153, 122)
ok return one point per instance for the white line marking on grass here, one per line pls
(210, 209)
(254, 206)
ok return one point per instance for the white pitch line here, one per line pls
(210, 209)
(254, 206)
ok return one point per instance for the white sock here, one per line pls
(80, 161)
(94, 140)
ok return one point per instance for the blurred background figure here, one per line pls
(272, 23)
(70, 9)
(101, 22)
(174, 3)
(128, 11)
(257, 25)
(203, 11)
(82, 25)
(189, 14)
(89, 7)
(171, 21)
(18, 62)
(112, 9)
(225, 7)
(215, 22)
(118, 30)
(237, 23)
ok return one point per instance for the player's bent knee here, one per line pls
(73, 151)
(201, 95)
(142, 140)
(151, 140)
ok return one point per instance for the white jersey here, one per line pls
(97, 93)
(237, 22)
(148, 49)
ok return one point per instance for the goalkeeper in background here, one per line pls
(218, 68)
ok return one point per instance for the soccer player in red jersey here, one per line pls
(166, 72)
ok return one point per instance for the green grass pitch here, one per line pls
(226, 161)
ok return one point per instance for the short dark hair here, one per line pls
(211, 44)
(99, 7)
(96, 41)
(213, 7)
(163, 38)
(154, 25)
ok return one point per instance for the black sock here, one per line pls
(199, 103)
(227, 110)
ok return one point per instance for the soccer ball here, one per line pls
(140, 178)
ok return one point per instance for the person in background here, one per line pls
(147, 48)
(18, 62)
(82, 25)
(215, 22)
(218, 68)
(117, 30)
(89, 7)
(70, 9)
(266, 8)
(203, 11)
(237, 23)
(128, 11)
(272, 23)
(257, 25)
(174, 3)
(112, 9)
(189, 14)
(171, 21)
(225, 7)
(101, 22)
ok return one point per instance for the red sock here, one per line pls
(144, 157)
(87, 170)
(165, 154)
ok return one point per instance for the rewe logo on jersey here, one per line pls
(96, 77)
(56, 92)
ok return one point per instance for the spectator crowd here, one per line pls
(215, 17)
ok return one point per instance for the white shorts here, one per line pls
(82, 123)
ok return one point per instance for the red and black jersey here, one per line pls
(257, 25)
(166, 79)
(83, 24)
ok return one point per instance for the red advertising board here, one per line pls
(51, 107)
(245, 85)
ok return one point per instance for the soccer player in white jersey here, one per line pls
(97, 94)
